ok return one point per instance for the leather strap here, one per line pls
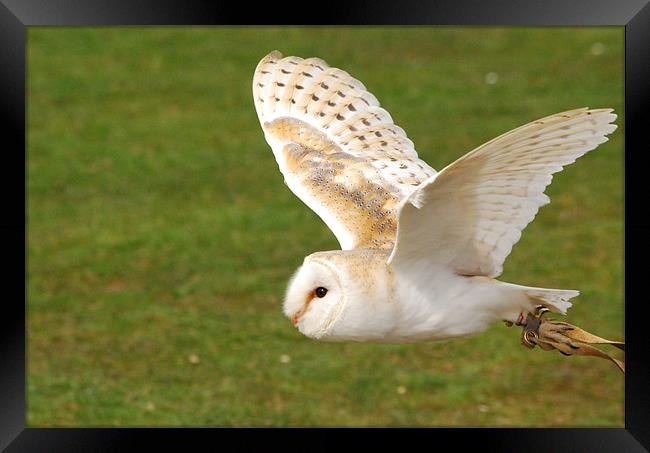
(566, 338)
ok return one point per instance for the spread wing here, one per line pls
(469, 216)
(338, 150)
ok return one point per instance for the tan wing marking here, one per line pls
(346, 187)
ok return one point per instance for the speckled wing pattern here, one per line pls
(338, 150)
(469, 216)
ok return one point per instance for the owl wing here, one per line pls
(469, 216)
(338, 150)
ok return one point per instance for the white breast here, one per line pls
(446, 305)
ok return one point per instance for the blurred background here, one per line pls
(161, 236)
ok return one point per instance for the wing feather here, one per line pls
(339, 151)
(469, 216)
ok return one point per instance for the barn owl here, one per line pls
(420, 249)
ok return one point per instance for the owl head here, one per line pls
(341, 295)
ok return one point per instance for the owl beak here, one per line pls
(297, 315)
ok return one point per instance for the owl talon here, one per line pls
(566, 338)
(530, 333)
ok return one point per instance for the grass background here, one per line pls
(161, 236)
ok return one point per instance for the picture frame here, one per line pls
(17, 15)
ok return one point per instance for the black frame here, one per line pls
(16, 15)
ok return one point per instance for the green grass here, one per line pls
(161, 236)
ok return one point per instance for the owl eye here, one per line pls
(320, 292)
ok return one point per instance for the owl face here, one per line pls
(328, 298)
(315, 297)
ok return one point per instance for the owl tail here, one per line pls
(556, 300)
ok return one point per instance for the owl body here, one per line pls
(368, 301)
(421, 249)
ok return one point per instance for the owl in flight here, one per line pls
(420, 249)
